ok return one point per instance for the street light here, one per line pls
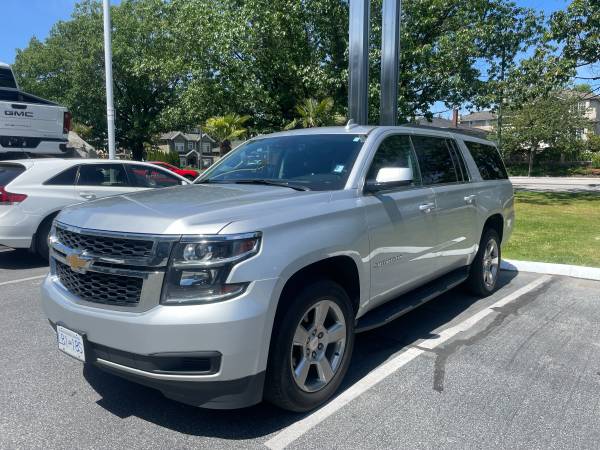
(110, 107)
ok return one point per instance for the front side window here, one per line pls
(102, 175)
(488, 160)
(313, 161)
(435, 162)
(395, 151)
(148, 177)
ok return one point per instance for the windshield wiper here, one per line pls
(286, 184)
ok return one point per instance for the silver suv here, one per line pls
(253, 282)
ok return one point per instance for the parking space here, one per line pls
(519, 369)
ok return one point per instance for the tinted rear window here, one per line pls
(6, 78)
(435, 162)
(488, 161)
(65, 178)
(9, 172)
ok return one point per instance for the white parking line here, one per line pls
(297, 429)
(22, 279)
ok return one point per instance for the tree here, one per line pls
(226, 129)
(313, 113)
(577, 29)
(548, 122)
(68, 67)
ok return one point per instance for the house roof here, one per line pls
(440, 122)
(169, 136)
(478, 115)
(582, 95)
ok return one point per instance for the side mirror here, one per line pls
(390, 178)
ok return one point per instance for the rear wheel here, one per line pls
(485, 269)
(311, 348)
(189, 177)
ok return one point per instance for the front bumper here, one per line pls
(128, 343)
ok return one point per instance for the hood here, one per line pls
(192, 209)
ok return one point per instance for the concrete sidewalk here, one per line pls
(557, 184)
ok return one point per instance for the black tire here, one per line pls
(41, 239)
(189, 177)
(280, 387)
(476, 283)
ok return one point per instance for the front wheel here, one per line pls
(311, 347)
(485, 268)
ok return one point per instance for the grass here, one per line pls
(557, 228)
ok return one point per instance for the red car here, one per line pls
(190, 174)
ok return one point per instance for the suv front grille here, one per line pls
(100, 287)
(105, 246)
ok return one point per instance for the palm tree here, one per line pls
(313, 113)
(226, 129)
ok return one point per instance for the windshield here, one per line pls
(319, 162)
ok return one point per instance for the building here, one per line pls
(194, 148)
(483, 120)
(440, 122)
(589, 105)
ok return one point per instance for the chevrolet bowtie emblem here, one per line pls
(78, 263)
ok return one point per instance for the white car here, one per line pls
(33, 191)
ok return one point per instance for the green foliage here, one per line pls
(548, 122)
(68, 67)
(159, 155)
(226, 129)
(177, 63)
(313, 113)
(577, 29)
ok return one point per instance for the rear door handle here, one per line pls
(470, 198)
(87, 195)
(427, 207)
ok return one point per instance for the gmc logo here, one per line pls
(19, 113)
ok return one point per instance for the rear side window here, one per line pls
(8, 172)
(65, 178)
(488, 160)
(7, 80)
(102, 175)
(148, 177)
(435, 162)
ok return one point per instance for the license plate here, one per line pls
(70, 342)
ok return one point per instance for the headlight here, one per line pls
(199, 268)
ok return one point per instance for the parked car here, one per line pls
(34, 191)
(28, 123)
(285, 249)
(189, 174)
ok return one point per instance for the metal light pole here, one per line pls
(358, 106)
(390, 48)
(110, 107)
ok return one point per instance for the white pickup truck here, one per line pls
(29, 124)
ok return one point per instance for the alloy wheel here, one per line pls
(318, 346)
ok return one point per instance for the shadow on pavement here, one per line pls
(124, 399)
(19, 259)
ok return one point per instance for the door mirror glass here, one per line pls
(390, 178)
(394, 175)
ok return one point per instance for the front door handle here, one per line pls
(427, 207)
(87, 195)
(469, 199)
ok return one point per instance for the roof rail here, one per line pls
(478, 134)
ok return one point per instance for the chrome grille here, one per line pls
(99, 287)
(111, 247)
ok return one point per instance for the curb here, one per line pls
(588, 273)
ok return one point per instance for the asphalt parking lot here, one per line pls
(520, 369)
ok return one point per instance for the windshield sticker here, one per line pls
(339, 168)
